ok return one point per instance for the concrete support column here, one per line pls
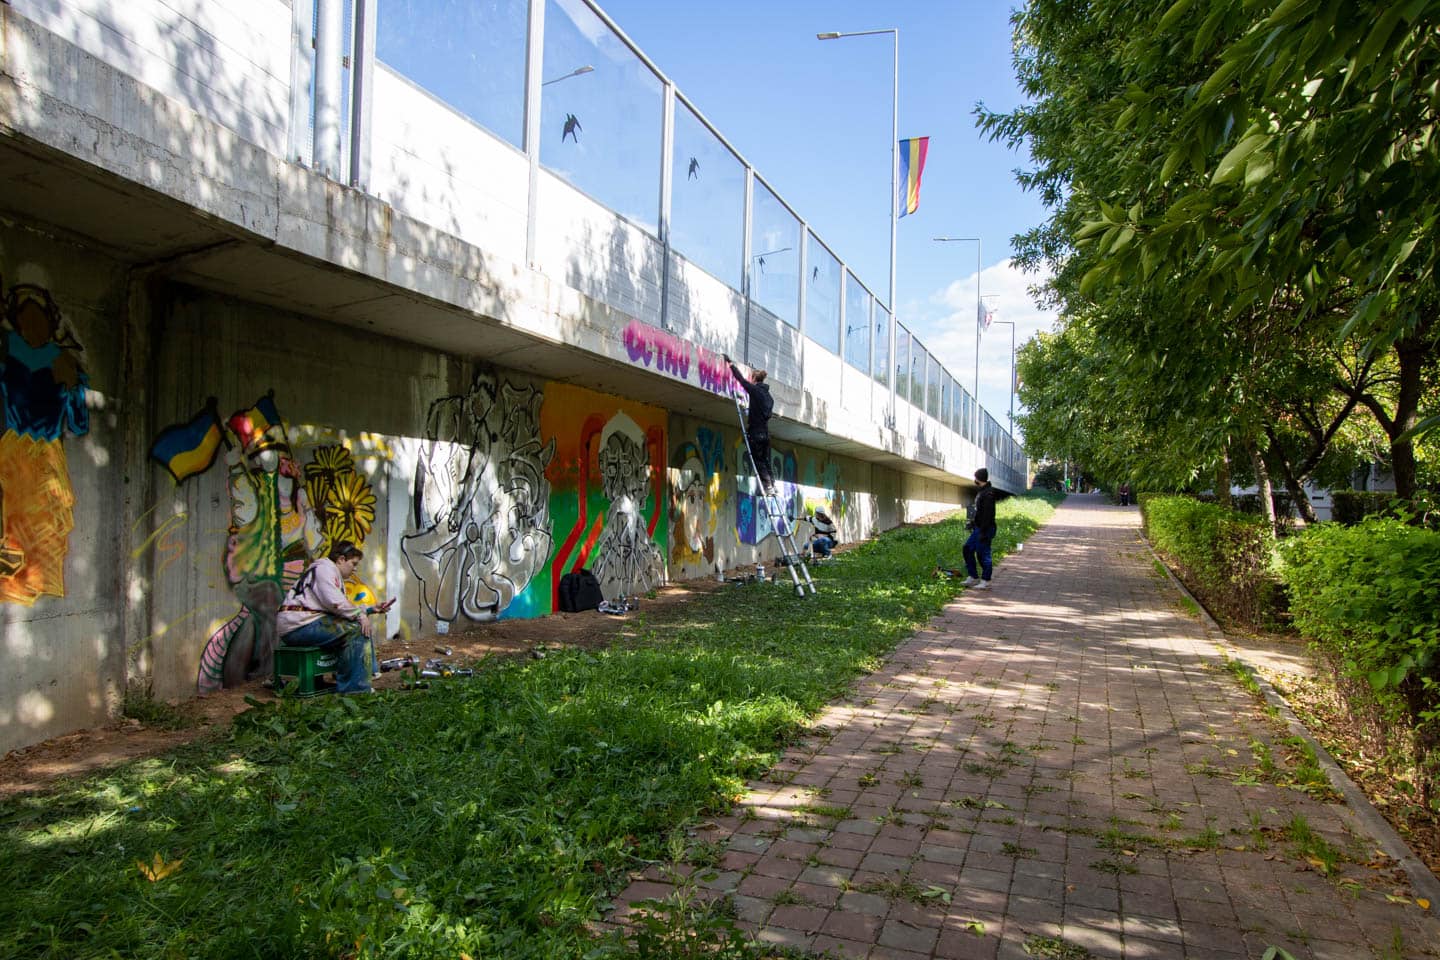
(127, 657)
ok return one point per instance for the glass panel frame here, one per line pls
(707, 199)
(822, 294)
(601, 131)
(774, 255)
(857, 324)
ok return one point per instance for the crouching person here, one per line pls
(316, 613)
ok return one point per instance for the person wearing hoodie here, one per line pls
(757, 426)
(982, 532)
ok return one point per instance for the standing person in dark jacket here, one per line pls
(757, 428)
(982, 531)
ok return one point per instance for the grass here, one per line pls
(494, 816)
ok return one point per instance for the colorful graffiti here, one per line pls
(274, 533)
(698, 495)
(608, 489)
(666, 353)
(283, 516)
(481, 504)
(42, 384)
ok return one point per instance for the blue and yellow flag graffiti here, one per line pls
(189, 448)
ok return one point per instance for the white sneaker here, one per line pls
(983, 585)
(972, 581)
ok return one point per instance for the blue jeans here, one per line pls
(978, 547)
(822, 545)
(346, 640)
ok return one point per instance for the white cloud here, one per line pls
(951, 335)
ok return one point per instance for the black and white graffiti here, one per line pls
(482, 502)
(626, 560)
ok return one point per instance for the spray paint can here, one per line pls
(759, 573)
(719, 573)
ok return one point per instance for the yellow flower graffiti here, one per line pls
(341, 497)
(327, 466)
(350, 509)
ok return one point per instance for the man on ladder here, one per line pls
(757, 430)
(756, 426)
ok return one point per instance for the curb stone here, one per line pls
(1358, 807)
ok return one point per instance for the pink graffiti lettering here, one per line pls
(715, 374)
(656, 348)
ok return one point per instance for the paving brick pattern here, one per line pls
(1061, 763)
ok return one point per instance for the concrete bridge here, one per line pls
(277, 274)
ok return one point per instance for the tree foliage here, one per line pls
(1243, 229)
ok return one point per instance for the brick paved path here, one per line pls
(1066, 758)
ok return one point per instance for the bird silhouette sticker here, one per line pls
(572, 128)
(694, 169)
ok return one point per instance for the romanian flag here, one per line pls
(189, 448)
(912, 167)
(259, 428)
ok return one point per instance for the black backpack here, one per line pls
(579, 590)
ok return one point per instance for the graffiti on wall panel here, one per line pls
(274, 533)
(42, 388)
(752, 522)
(481, 502)
(666, 353)
(608, 500)
(626, 560)
(697, 495)
(283, 516)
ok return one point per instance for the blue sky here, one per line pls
(813, 117)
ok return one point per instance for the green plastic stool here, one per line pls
(306, 665)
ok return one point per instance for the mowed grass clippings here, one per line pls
(491, 816)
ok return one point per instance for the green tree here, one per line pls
(1242, 211)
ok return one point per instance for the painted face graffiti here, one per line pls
(481, 503)
(626, 561)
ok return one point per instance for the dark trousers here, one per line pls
(760, 453)
(978, 548)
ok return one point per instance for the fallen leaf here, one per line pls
(1318, 864)
(1423, 903)
(1394, 899)
(159, 869)
(976, 927)
(1233, 753)
(1128, 853)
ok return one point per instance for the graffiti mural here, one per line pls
(752, 523)
(698, 494)
(283, 516)
(42, 384)
(607, 480)
(626, 561)
(481, 504)
(274, 533)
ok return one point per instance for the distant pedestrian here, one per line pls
(982, 532)
(1124, 494)
(757, 427)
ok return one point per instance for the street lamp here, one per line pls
(578, 71)
(1011, 325)
(978, 267)
(894, 141)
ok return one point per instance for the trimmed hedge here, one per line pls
(1368, 596)
(1224, 557)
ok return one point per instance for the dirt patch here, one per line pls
(86, 751)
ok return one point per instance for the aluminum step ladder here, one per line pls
(784, 526)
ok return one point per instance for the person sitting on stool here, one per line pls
(316, 613)
(757, 428)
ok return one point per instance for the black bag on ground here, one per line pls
(579, 590)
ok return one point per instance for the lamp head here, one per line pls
(827, 36)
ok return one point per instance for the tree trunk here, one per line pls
(1411, 354)
(1262, 478)
(1222, 481)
